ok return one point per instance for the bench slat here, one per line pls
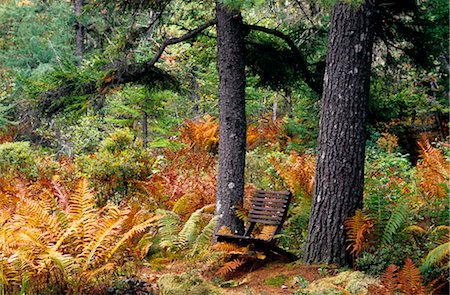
(261, 199)
(267, 208)
(270, 192)
(267, 213)
(264, 221)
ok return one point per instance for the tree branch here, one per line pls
(317, 87)
(124, 72)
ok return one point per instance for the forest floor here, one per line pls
(270, 278)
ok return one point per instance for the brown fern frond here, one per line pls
(82, 202)
(230, 248)
(267, 232)
(433, 171)
(297, 171)
(106, 231)
(139, 228)
(410, 279)
(358, 227)
(230, 266)
(389, 279)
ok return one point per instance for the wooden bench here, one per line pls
(266, 208)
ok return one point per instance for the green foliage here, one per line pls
(18, 157)
(39, 32)
(396, 220)
(69, 137)
(276, 281)
(193, 234)
(120, 160)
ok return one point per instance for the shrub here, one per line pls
(120, 161)
(18, 157)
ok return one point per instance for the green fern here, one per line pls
(168, 228)
(190, 230)
(204, 238)
(435, 256)
(398, 217)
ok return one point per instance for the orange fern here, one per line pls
(433, 171)
(201, 134)
(389, 279)
(297, 171)
(230, 266)
(410, 279)
(358, 227)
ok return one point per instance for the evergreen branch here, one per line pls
(317, 87)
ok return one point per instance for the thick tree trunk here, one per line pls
(339, 176)
(232, 121)
(79, 29)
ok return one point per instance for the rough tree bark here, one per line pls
(232, 120)
(339, 176)
(79, 29)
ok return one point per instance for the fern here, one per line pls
(437, 255)
(82, 202)
(267, 232)
(189, 230)
(398, 217)
(389, 279)
(204, 238)
(410, 280)
(230, 248)
(358, 227)
(168, 228)
(230, 266)
(138, 228)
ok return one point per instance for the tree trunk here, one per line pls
(275, 108)
(288, 102)
(232, 120)
(79, 29)
(145, 127)
(339, 176)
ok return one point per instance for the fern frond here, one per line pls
(88, 276)
(358, 226)
(144, 244)
(204, 238)
(189, 230)
(82, 202)
(230, 266)
(438, 254)
(415, 229)
(66, 263)
(267, 232)
(108, 228)
(398, 217)
(168, 228)
(230, 248)
(389, 279)
(410, 279)
(139, 228)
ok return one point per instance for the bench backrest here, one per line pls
(268, 208)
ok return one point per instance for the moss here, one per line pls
(347, 282)
(276, 281)
(187, 283)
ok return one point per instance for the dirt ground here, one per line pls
(250, 281)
